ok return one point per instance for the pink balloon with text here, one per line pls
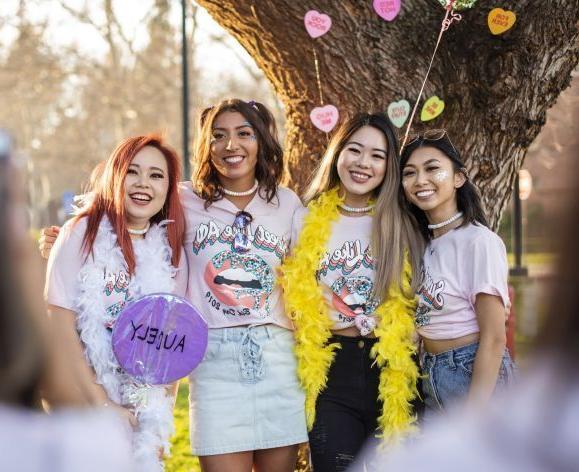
(317, 24)
(325, 118)
(387, 9)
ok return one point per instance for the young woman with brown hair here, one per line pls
(247, 409)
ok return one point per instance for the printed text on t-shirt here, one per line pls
(208, 234)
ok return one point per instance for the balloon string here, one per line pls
(445, 25)
(318, 79)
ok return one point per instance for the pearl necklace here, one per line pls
(140, 231)
(350, 209)
(446, 222)
(231, 193)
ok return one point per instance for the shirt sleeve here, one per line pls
(64, 263)
(182, 276)
(489, 271)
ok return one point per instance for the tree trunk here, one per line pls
(497, 89)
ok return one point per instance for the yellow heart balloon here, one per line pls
(433, 107)
(500, 20)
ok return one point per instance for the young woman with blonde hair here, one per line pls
(348, 290)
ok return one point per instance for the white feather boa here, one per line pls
(154, 273)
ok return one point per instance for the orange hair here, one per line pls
(109, 195)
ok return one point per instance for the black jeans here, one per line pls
(347, 409)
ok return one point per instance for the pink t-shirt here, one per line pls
(67, 258)
(346, 270)
(457, 266)
(233, 288)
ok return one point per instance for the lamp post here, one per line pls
(522, 191)
(185, 91)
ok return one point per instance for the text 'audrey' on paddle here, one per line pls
(159, 338)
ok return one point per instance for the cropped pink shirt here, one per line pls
(457, 267)
(232, 288)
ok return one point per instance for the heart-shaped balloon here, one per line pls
(317, 24)
(365, 324)
(433, 107)
(500, 20)
(325, 118)
(398, 112)
(387, 9)
(459, 4)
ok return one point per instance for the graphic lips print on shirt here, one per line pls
(240, 280)
(352, 296)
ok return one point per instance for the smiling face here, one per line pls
(362, 165)
(234, 149)
(430, 182)
(146, 186)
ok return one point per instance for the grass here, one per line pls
(536, 258)
(181, 459)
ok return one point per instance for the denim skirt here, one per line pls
(447, 376)
(245, 394)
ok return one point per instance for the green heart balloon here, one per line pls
(459, 4)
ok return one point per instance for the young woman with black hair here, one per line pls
(463, 288)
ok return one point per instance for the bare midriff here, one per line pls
(436, 346)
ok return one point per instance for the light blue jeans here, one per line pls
(447, 377)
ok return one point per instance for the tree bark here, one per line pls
(497, 89)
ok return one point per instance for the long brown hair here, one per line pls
(269, 166)
(109, 195)
(394, 231)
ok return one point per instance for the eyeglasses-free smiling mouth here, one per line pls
(140, 198)
(233, 159)
(359, 177)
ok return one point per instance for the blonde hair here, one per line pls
(394, 230)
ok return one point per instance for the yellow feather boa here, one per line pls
(306, 307)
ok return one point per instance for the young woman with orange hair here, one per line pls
(125, 242)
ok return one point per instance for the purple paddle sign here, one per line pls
(159, 338)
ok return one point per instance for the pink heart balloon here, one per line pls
(387, 9)
(317, 24)
(325, 118)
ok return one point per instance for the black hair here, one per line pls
(467, 196)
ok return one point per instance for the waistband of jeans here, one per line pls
(452, 354)
(339, 338)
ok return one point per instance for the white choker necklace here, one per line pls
(231, 193)
(446, 222)
(350, 209)
(140, 231)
